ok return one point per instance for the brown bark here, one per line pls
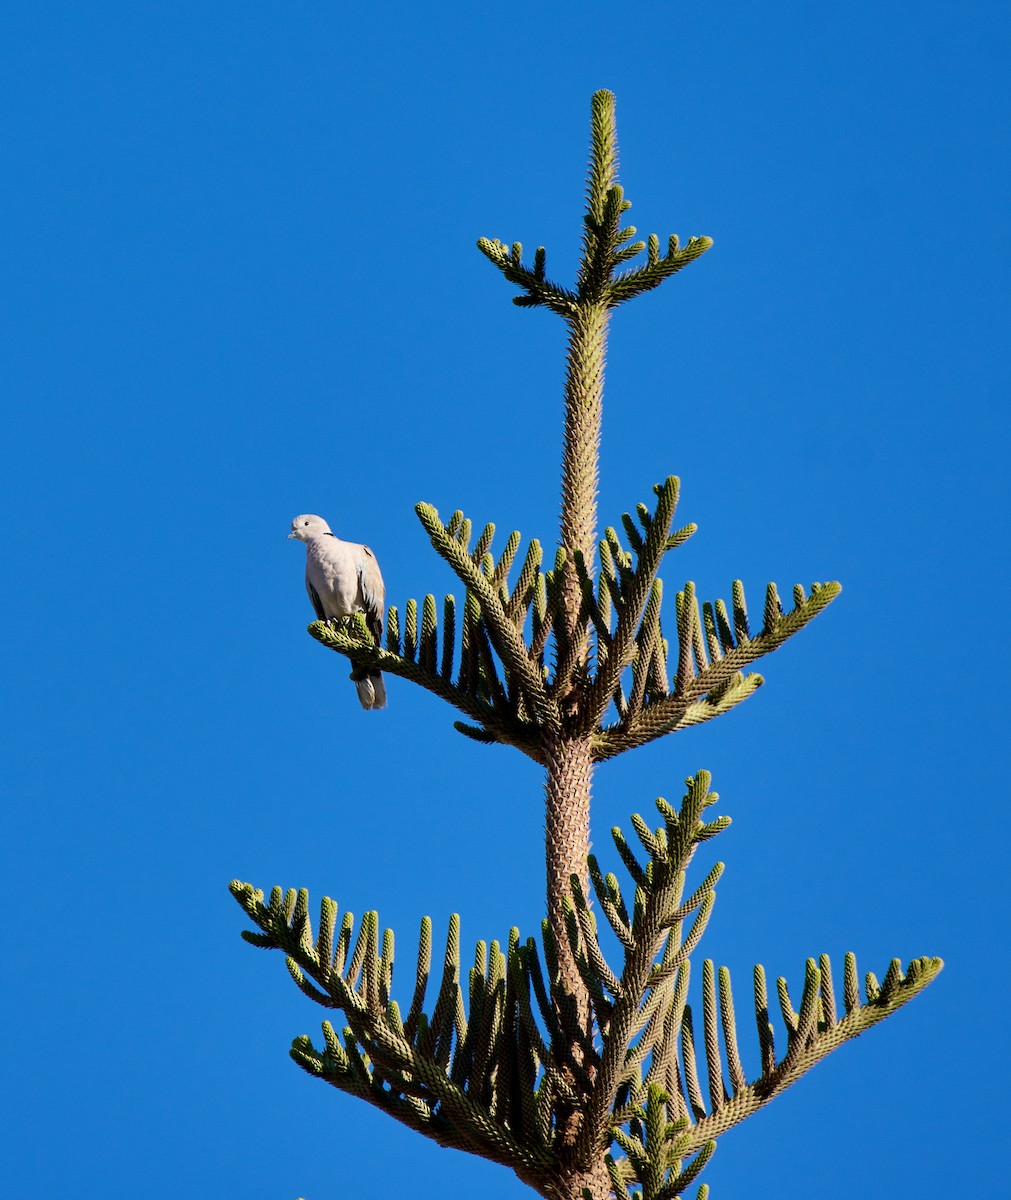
(568, 1185)
(567, 797)
(584, 392)
(568, 754)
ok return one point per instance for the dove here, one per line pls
(342, 578)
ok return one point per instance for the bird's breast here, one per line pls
(331, 571)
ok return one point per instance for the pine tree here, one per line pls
(586, 1077)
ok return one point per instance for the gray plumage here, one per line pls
(342, 578)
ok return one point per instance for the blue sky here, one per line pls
(240, 283)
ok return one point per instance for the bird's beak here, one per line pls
(289, 537)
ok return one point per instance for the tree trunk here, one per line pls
(567, 795)
(570, 1185)
(569, 758)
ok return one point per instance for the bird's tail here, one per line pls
(371, 689)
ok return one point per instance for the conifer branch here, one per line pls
(643, 279)
(814, 1037)
(506, 637)
(647, 1012)
(538, 289)
(707, 685)
(478, 1073)
(497, 719)
(654, 925)
(630, 597)
(437, 1074)
(606, 245)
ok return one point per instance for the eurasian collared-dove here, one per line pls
(342, 578)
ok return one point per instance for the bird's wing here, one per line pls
(373, 592)
(314, 598)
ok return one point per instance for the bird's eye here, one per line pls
(305, 522)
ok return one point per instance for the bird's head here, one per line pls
(308, 526)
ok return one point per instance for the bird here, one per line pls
(343, 578)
